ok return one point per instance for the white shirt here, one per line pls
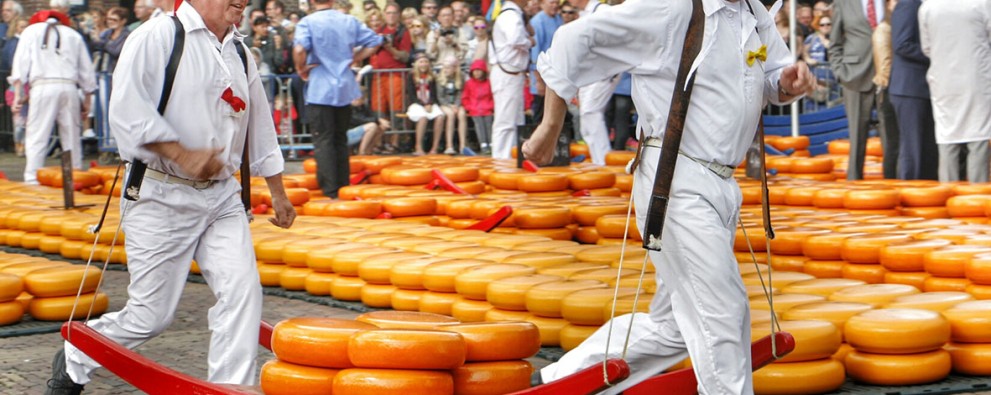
(728, 94)
(71, 62)
(510, 39)
(956, 36)
(592, 7)
(196, 117)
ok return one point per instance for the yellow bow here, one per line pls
(761, 55)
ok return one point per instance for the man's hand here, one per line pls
(200, 164)
(84, 107)
(285, 213)
(797, 79)
(304, 72)
(540, 147)
(385, 124)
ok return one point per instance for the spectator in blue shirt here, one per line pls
(544, 24)
(324, 50)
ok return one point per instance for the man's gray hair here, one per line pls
(59, 4)
(18, 8)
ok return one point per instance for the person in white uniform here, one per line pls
(702, 308)
(593, 98)
(53, 58)
(956, 36)
(189, 206)
(508, 57)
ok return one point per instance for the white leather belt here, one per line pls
(170, 179)
(52, 81)
(721, 170)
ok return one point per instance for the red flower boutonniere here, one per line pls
(236, 103)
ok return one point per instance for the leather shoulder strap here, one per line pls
(245, 158)
(173, 65)
(680, 99)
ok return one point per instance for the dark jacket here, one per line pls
(908, 64)
(411, 86)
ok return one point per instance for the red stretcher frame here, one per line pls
(152, 378)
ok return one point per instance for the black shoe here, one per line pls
(536, 379)
(60, 383)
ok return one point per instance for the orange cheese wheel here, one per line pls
(970, 322)
(591, 180)
(50, 244)
(546, 299)
(10, 287)
(587, 235)
(584, 307)
(915, 279)
(498, 341)
(438, 302)
(284, 378)
(825, 247)
(460, 173)
(540, 260)
(510, 293)
(908, 256)
(778, 279)
(60, 308)
(406, 299)
(789, 263)
(945, 284)
(409, 275)
(377, 295)
(346, 260)
(542, 183)
(294, 253)
(507, 179)
(812, 165)
(319, 284)
(572, 335)
(509, 241)
(873, 294)
(405, 320)
(11, 312)
(967, 205)
(347, 288)
(569, 269)
(407, 349)
(835, 312)
(978, 269)
(829, 198)
(603, 275)
(897, 331)
(810, 377)
(71, 249)
(801, 196)
(294, 278)
(926, 196)
(377, 269)
(751, 239)
(472, 283)
(492, 378)
(951, 261)
(926, 212)
(932, 301)
(31, 241)
(440, 276)
(23, 269)
(784, 302)
(393, 382)
(435, 248)
(909, 369)
(625, 305)
(61, 281)
(542, 217)
(981, 292)
(871, 199)
(970, 359)
(610, 254)
(619, 158)
(353, 209)
(270, 250)
(550, 329)
(871, 274)
(500, 315)
(964, 188)
(410, 206)
(956, 236)
(824, 269)
(467, 310)
(822, 287)
(318, 342)
(586, 215)
(470, 252)
(866, 248)
(406, 175)
(549, 246)
(814, 339)
(270, 275)
(617, 226)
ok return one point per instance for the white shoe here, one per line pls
(89, 134)
(449, 151)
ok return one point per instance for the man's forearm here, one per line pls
(555, 108)
(275, 186)
(299, 57)
(364, 53)
(171, 150)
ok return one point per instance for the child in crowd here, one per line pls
(450, 84)
(477, 100)
(421, 90)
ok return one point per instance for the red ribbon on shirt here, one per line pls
(236, 103)
(44, 15)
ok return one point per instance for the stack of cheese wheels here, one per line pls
(948, 267)
(898, 347)
(440, 281)
(926, 201)
(494, 359)
(810, 368)
(905, 261)
(970, 349)
(411, 354)
(863, 253)
(310, 352)
(55, 288)
(268, 252)
(11, 311)
(546, 300)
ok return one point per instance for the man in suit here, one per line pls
(910, 95)
(850, 57)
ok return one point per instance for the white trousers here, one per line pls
(507, 92)
(700, 306)
(48, 105)
(168, 227)
(592, 102)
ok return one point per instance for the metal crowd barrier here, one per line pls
(827, 95)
